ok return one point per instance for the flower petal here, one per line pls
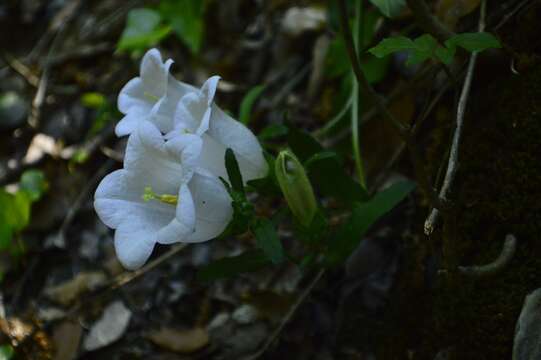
(186, 149)
(155, 73)
(183, 225)
(232, 134)
(148, 156)
(129, 122)
(212, 207)
(208, 90)
(134, 243)
(118, 200)
(132, 96)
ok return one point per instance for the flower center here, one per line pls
(150, 96)
(165, 198)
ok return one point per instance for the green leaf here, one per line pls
(444, 54)
(391, 45)
(248, 261)
(389, 8)
(186, 17)
(326, 171)
(302, 143)
(267, 240)
(362, 217)
(478, 41)
(424, 48)
(34, 183)
(6, 352)
(233, 171)
(248, 102)
(272, 131)
(143, 30)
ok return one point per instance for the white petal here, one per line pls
(212, 207)
(208, 90)
(134, 244)
(148, 156)
(118, 200)
(189, 112)
(129, 122)
(132, 96)
(186, 149)
(155, 73)
(183, 225)
(232, 134)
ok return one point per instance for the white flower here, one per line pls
(161, 196)
(154, 86)
(196, 113)
(177, 108)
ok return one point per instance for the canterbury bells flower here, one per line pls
(169, 189)
(160, 196)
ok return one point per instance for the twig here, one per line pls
(83, 195)
(402, 130)
(507, 253)
(461, 110)
(429, 22)
(292, 310)
(21, 69)
(128, 276)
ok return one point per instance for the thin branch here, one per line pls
(429, 22)
(402, 130)
(507, 253)
(292, 310)
(461, 110)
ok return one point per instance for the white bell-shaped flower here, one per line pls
(140, 95)
(197, 113)
(161, 196)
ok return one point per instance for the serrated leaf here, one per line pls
(362, 217)
(143, 30)
(391, 45)
(233, 171)
(248, 102)
(478, 41)
(424, 48)
(267, 240)
(389, 8)
(186, 17)
(248, 261)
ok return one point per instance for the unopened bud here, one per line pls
(296, 187)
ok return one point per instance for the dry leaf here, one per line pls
(67, 292)
(450, 11)
(181, 341)
(109, 328)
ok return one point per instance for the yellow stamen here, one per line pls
(165, 198)
(150, 96)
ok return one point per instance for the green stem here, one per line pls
(355, 107)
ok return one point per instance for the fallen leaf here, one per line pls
(67, 337)
(109, 328)
(181, 341)
(69, 291)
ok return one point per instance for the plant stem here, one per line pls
(429, 22)
(402, 130)
(355, 108)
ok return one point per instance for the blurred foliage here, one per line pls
(389, 8)
(15, 208)
(6, 352)
(146, 27)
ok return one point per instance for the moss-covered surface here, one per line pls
(498, 191)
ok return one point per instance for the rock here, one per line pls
(299, 20)
(245, 314)
(527, 343)
(109, 328)
(13, 110)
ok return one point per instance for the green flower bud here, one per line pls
(296, 187)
